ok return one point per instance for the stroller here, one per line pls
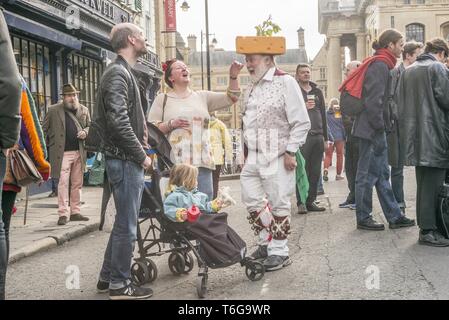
(213, 243)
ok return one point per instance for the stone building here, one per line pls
(352, 25)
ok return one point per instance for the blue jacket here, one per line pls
(182, 198)
(336, 127)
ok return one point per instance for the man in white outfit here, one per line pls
(275, 125)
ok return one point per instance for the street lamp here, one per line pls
(214, 42)
(185, 6)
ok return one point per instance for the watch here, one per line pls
(290, 153)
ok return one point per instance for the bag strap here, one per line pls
(163, 106)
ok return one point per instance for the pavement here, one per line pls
(41, 232)
(331, 260)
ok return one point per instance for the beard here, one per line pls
(71, 105)
(259, 72)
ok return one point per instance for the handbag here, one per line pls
(9, 177)
(23, 168)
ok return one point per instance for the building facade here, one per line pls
(57, 42)
(352, 25)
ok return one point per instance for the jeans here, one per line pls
(3, 259)
(373, 171)
(397, 183)
(127, 180)
(216, 179)
(205, 182)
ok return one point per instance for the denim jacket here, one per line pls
(180, 198)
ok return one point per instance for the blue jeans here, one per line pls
(205, 182)
(397, 184)
(3, 258)
(127, 180)
(373, 171)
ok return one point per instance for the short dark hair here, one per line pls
(119, 39)
(302, 65)
(410, 48)
(437, 45)
(386, 37)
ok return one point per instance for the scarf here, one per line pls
(354, 83)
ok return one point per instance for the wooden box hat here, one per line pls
(261, 45)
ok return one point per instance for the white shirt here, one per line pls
(275, 105)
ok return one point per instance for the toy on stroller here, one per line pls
(213, 243)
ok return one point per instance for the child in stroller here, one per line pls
(219, 245)
(207, 235)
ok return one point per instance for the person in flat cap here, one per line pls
(66, 126)
(275, 125)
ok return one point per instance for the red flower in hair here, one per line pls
(166, 65)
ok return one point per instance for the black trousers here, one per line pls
(8, 200)
(429, 181)
(312, 151)
(351, 161)
(216, 179)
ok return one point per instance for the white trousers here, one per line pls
(272, 183)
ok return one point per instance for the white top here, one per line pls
(191, 146)
(275, 117)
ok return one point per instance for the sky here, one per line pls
(230, 18)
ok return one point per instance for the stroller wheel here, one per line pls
(176, 263)
(201, 286)
(152, 270)
(189, 262)
(140, 273)
(254, 270)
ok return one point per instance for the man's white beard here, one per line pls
(71, 106)
(259, 72)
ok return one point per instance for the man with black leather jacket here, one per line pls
(120, 116)
(423, 103)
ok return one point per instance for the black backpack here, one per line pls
(350, 106)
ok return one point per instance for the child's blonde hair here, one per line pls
(184, 175)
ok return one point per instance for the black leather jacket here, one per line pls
(423, 105)
(119, 115)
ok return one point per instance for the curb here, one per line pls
(52, 241)
(230, 177)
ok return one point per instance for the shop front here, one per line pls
(57, 42)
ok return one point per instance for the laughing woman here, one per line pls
(183, 115)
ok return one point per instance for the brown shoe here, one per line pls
(78, 217)
(62, 221)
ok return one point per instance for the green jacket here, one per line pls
(301, 176)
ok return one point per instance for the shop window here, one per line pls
(85, 77)
(33, 62)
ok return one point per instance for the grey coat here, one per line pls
(423, 104)
(54, 130)
(10, 90)
(393, 136)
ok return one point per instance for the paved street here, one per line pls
(330, 261)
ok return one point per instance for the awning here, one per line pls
(42, 31)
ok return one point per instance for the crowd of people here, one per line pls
(290, 136)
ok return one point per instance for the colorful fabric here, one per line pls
(354, 83)
(31, 137)
(301, 176)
